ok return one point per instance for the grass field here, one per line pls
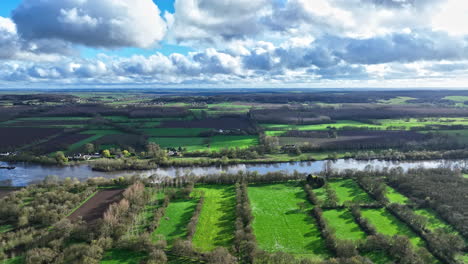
(433, 220)
(216, 223)
(281, 225)
(190, 143)
(219, 142)
(397, 100)
(176, 218)
(460, 100)
(339, 124)
(396, 197)
(414, 122)
(119, 256)
(343, 222)
(388, 224)
(384, 124)
(77, 145)
(174, 132)
(347, 190)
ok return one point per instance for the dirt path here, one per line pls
(94, 209)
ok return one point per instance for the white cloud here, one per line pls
(217, 20)
(95, 23)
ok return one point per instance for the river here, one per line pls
(25, 174)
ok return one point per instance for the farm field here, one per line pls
(348, 190)
(344, 224)
(189, 143)
(95, 207)
(174, 223)
(215, 225)
(219, 142)
(281, 225)
(396, 197)
(174, 132)
(433, 220)
(388, 224)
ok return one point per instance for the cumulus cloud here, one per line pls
(95, 23)
(244, 42)
(214, 20)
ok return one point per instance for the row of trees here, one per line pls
(244, 241)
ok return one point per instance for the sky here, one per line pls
(233, 44)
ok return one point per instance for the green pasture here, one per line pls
(342, 221)
(122, 256)
(433, 220)
(190, 143)
(384, 124)
(81, 143)
(339, 124)
(219, 142)
(459, 101)
(397, 100)
(348, 190)
(174, 132)
(395, 197)
(282, 220)
(176, 218)
(388, 224)
(215, 226)
(421, 122)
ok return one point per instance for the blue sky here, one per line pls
(243, 43)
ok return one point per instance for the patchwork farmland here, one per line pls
(241, 218)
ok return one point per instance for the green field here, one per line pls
(388, 224)
(280, 224)
(339, 124)
(396, 197)
(343, 223)
(174, 132)
(190, 143)
(460, 100)
(347, 190)
(120, 256)
(219, 142)
(433, 220)
(414, 122)
(397, 100)
(216, 223)
(81, 143)
(176, 218)
(384, 124)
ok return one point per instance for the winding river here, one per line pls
(25, 174)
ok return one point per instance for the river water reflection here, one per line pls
(25, 174)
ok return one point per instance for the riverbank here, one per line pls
(25, 173)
